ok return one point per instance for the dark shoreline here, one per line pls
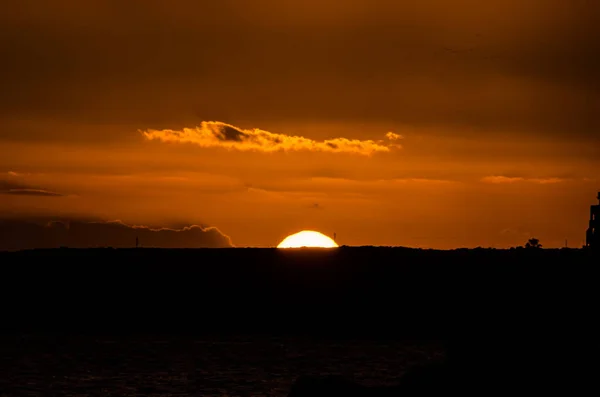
(354, 291)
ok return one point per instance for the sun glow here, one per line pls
(307, 238)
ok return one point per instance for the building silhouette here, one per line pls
(592, 237)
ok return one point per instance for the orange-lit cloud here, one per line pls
(392, 136)
(217, 134)
(506, 179)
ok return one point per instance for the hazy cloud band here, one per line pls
(18, 234)
(497, 179)
(19, 189)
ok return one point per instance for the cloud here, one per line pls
(217, 134)
(321, 188)
(17, 234)
(18, 189)
(511, 68)
(501, 179)
(504, 179)
(31, 192)
(392, 136)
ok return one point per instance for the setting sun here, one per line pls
(307, 238)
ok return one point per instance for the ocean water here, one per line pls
(186, 366)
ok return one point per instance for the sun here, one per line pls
(307, 238)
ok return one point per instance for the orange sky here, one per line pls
(429, 124)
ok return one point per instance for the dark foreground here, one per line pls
(182, 366)
(134, 318)
(350, 291)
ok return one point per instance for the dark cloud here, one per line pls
(18, 189)
(17, 234)
(31, 192)
(504, 65)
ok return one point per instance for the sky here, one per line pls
(429, 123)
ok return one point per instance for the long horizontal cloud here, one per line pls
(31, 192)
(18, 189)
(343, 185)
(506, 179)
(18, 234)
(217, 134)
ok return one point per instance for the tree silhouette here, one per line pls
(533, 243)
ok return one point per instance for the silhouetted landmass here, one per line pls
(420, 292)
(520, 318)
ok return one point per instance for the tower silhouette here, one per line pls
(592, 236)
